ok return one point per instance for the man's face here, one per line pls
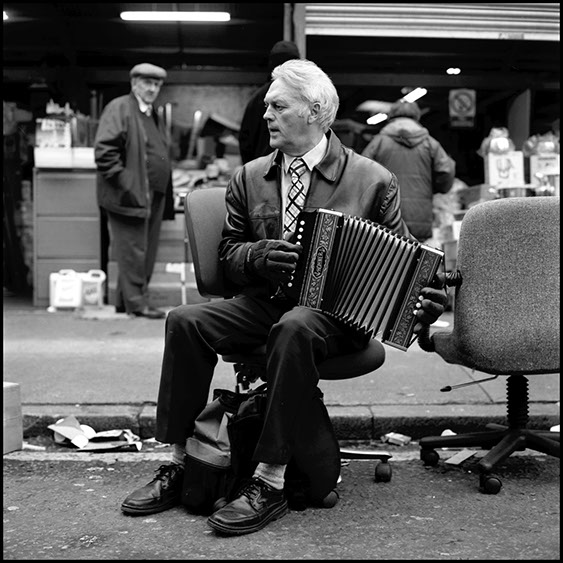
(288, 116)
(146, 88)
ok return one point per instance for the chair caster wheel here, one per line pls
(429, 457)
(383, 472)
(331, 499)
(218, 504)
(489, 484)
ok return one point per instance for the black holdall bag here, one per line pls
(219, 454)
(208, 474)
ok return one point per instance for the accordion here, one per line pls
(361, 273)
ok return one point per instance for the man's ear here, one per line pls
(313, 112)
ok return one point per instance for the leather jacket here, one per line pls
(343, 181)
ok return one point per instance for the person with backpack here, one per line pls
(309, 169)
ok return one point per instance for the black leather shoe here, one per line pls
(150, 313)
(256, 505)
(162, 493)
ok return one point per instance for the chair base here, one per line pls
(502, 441)
(383, 470)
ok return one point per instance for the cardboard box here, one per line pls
(83, 157)
(52, 132)
(52, 157)
(58, 157)
(505, 169)
(13, 426)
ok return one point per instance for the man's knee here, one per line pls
(293, 321)
(295, 326)
(185, 315)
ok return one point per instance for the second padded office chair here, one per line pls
(506, 320)
(205, 213)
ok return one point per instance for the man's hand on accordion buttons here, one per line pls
(432, 303)
(273, 259)
(291, 237)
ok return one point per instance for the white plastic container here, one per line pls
(92, 293)
(65, 287)
(69, 289)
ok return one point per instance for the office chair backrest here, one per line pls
(506, 310)
(205, 213)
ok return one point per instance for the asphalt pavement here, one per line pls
(65, 506)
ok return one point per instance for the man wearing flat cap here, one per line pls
(134, 185)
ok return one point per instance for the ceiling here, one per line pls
(92, 35)
(89, 41)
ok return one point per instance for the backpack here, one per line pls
(219, 454)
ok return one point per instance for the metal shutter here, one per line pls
(518, 21)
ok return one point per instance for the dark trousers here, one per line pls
(296, 341)
(134, 243)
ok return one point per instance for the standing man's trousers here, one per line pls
(134, 243)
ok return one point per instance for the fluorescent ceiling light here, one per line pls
(176, 16)
(412, 96)
(416, 94)
(377, 118)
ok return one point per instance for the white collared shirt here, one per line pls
(311, 159)
(145, 108)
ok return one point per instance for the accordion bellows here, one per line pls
(361, 273)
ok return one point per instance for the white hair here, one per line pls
(313, 86)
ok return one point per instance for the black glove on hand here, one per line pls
(432, 303)
(273, 259)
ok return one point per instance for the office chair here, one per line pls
(205, 213)
(506, 320)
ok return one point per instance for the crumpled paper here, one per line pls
(69, 432)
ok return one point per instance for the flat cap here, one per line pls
(148, 70)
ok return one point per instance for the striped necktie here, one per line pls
(296, 195)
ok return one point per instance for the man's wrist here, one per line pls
(247, 261)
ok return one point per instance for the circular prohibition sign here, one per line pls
(462, 102)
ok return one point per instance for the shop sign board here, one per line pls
(505, 170)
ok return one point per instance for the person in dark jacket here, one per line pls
(254, 138)
(301, 105)
(134, 185)
(420, 163)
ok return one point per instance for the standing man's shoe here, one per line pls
(150, 313)
(256, 505)
(162, 493)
